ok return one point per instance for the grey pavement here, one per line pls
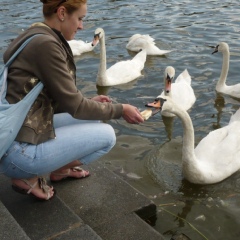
(102, 206)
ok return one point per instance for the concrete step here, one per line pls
(102, 206)
(9, 228)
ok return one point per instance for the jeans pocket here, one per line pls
(26, 149)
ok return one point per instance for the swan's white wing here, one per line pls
(220, 150)
(235, 116)
(184, 77)
(126, 71)
(138, 42)
(123, 72)
(133, 37)
(183, 95)
(233, 90)
(78, 47)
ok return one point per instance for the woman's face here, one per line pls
(73, 22)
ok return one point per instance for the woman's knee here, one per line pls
(111, 134)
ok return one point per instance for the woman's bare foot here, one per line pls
(34, 186)
(74, 172)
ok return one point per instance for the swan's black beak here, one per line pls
(157, 104)
(96, 39)
(215, 50)
(168, 84)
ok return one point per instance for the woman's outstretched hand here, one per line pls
(131, 114)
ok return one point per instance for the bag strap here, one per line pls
(8, 63)
(4, 71)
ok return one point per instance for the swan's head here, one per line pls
(221, 47)
(168, 78)
(158, 103)
(98, 34)
(163, 103)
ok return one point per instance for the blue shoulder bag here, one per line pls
(12, 116)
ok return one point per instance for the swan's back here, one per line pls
(220, 149)
(79, 47)
(126, 71)
(138, 42)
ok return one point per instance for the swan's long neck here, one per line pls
(224, 73)
(189, 160)
(102, 77)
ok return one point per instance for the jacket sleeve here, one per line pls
(49, 63)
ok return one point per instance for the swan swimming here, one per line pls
(121, 72)
(138, 42)
(216, 157)
(181, 92)
(221, 87)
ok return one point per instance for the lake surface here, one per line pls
(191, 28)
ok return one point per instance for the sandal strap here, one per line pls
(79, 169)
(32, 186)
(74, 169)
(42, 183)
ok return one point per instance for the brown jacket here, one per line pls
(48, 58)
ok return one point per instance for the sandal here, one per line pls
(67, 175)
(42, 183)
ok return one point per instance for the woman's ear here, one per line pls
(61, 13)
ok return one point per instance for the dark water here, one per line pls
(189, 27)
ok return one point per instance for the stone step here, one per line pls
(102, 206)
(9, 228)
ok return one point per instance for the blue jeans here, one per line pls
(75, 140)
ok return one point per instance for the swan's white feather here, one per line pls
(138, 42)
(79, 47)
(125, 71)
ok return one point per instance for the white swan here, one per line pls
(138, 42)
(221, 87)
(79, 47)
(121, 72)
(216, 157)
(181, 91)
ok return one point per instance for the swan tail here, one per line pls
(141, 56)
(158, 51)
